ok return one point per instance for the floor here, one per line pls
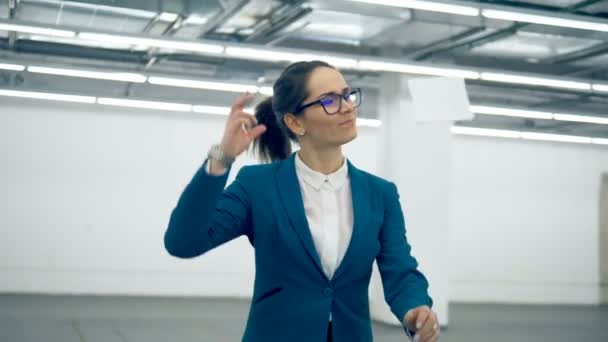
(40, 318)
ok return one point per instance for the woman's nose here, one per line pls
(347, 107)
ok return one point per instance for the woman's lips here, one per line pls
(348, 123)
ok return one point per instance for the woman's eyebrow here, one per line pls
(331, 92)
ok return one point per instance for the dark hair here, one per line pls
(289, 90)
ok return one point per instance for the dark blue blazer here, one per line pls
(292, 296)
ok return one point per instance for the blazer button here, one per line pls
(328, 292)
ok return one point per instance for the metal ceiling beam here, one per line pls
(229, 11)
(152, 54)
(273, 25)
(55, 49)
(508, 86)
(497, 35)
(587, 71)
(592, 51)
(421, 52)
(12, 10)
(286, 35)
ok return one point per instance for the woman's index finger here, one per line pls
(240, 102)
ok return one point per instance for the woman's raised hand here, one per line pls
(241, 128)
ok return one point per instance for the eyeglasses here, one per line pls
(332, 103)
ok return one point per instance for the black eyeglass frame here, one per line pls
(342, 97)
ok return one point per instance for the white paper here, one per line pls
(439, 99)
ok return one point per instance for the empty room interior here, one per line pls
(303, 170)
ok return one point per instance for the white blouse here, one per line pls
(329, 211)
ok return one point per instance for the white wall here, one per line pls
(87, 192)
(525, 221)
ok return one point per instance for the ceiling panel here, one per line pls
(41, 12)
(533, 45)
(253, 12)
(415, 34)
(601, 60)
(103, 20)
(335, 26)
(78, 16)
(599, 8)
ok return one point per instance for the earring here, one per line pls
(301, 133)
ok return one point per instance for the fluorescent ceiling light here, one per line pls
(526, 135)
(600, 87)
(284, 56)
(160, 43)
(555, 137)
(539, 81)
(495, 13)
(581, 118)
(13, 67)
(544, 20)
(368, 122)
(338, 62)
(416, 69)
(47, 96)
(113, 76)
(211, 110)
(168, 16)
(259, 54)
(485, 132)
(36, 30)
(79, 42)
(219, 86)
(195, 20)
(226, 110)
(490, 110)
(511, 112)
(268, 91)
(599, 141)
(180, 107)
(426, 6)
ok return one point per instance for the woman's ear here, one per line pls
(293, 123)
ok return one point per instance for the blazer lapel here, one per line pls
(361, 210)
(291, 195)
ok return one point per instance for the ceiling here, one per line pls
(340, 26)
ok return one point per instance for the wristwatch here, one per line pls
(216, 153)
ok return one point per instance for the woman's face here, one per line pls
(323, 130)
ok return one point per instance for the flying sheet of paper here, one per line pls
(439, 99)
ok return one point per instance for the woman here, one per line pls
(317, 222)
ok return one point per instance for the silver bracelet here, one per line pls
(216, 153)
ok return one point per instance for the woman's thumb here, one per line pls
(257, 131)
(410, 318)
